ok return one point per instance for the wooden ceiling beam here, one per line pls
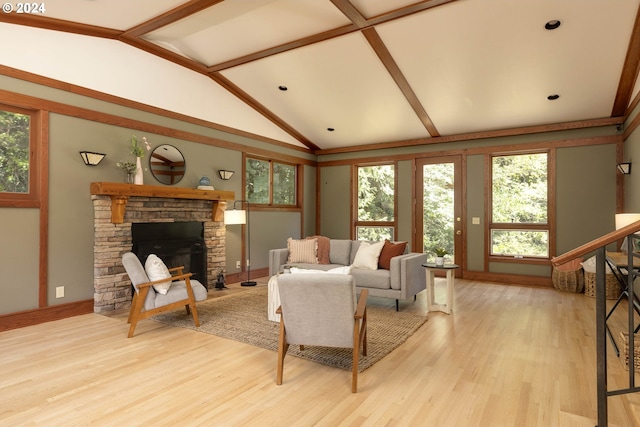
(392, 67)
(629, 72)
(171, 16)
(38, 21)
(253, 103)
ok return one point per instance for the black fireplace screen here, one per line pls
(175, 243)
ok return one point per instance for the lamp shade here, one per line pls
(622, 220)
(235, 217)
(91, 159)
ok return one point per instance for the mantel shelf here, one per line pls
(120, 194)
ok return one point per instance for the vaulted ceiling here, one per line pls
(332, 75)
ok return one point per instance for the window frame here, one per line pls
(30, 199)
(271, 204)
(354, 200)
(549, 226)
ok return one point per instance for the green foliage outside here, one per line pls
(257, 175)
(438, 208)
(375, 201)
(257, 178)
(284, 184)
(519, 195)
(14, 152)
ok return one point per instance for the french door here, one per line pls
(439, 222)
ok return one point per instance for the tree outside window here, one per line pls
(519, 206)
(375, 203)
(14, 152)
(270, 182)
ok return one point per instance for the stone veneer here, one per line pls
(112, 288)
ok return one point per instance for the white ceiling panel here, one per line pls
(240, 27)
(118, 69)
(466, 65)
(115, 14)
(336, 84)
(491, 65)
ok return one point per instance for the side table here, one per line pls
(430, 269)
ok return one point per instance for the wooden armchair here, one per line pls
(322, 310)
(146, 302)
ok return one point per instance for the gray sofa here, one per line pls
(404, 280)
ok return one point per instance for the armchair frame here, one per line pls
(137, 312)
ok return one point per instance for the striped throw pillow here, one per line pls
(305, 251)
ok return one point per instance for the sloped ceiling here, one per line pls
(335, 75)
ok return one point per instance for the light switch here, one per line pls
(475, 220)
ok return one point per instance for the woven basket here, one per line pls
(612, 287)
(625, 350)
(568, 281)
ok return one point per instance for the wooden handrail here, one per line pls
(596, 243)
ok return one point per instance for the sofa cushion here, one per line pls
(389, 250)
(157, 270)
(378, 279)
(340, 251)
(303, 250)
(367, 256)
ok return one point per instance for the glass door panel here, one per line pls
(439, 221)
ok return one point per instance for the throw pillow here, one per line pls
(324, 245)
(156, 270)
(367, 256)
(389, 250)
(305, 251)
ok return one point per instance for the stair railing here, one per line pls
(598, 245)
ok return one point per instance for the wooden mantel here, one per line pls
(120, 194)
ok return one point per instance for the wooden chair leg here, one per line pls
(282, 352)
(194, 313)
(354, 367)
(136, 309)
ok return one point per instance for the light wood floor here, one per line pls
(507, 356)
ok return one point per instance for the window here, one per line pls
(519, 206)
(375, 217)
(18, 157)
(270, 182)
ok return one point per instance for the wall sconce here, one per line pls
(225, 175)
(91, 159)
(624, 168)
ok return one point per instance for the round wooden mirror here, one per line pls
(167, 164)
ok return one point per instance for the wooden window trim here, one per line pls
(297, 206)
(354, 200)
(550, 226)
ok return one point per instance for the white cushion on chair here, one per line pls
(157, 270)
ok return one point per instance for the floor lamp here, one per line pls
(241, 216)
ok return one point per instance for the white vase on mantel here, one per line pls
(138, 179)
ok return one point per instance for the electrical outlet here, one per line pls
(60, 292)
(238, 264)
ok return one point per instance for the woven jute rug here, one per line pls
(243, 317)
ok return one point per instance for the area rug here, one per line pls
(243, 317)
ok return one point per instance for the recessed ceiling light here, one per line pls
(283, 88)
(552, 25)
(330, 129)
(553, 97)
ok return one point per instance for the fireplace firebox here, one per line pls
(175, 243)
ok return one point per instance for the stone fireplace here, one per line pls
(117, 206)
